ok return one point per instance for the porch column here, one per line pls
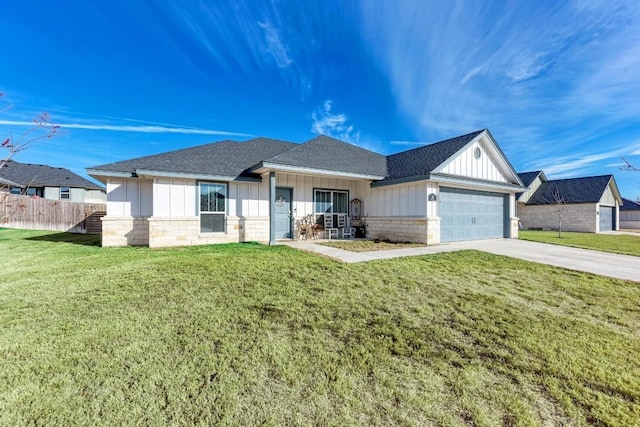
(272, 208)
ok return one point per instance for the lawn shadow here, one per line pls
(76, 239)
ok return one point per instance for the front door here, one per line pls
(283, 213)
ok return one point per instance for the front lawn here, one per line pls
(246, 334)
(617, 244)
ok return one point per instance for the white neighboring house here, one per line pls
(630, 214)
(462, 188)
(49, 182)
(588, 204)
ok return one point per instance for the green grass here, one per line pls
(617, 244)
(246, 334)
(369, 245)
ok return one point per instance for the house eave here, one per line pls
(267, 167)
(477, 183)
(96, 173)
(149, 173)
(404, 180)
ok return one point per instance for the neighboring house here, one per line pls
(629, 214)
(459, 189)
(49, 182)
(588, 204)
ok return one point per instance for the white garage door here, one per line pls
(470, 215)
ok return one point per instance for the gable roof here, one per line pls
(629, 205)
(329, 154)
(225, 159)
(33, 175)
(528, 177)
(9, 183)
(322, 155)
(419, 162)
(573, 190)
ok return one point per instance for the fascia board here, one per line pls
(265, 166)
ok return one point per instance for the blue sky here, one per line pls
(557, 83)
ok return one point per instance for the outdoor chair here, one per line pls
(344, 224)
(329, 230)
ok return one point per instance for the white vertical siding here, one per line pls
(608, 198)
(146, 198)
(129, 197)
(76, 194)
(465, 164)
(526, 195)
(116, 197)
(52, 193)
(406, 200)
(432, 206)
(174, 197)
(303, 190)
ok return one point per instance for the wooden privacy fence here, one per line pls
(44, 214)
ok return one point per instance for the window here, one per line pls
(331, 202)
(64, 193)
(31, 191)
(15, 190)
(213, 201)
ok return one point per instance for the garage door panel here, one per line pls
(606, 218)
(470, 215)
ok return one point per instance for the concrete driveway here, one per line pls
(606, 264)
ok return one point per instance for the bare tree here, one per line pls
(629, 167)
(559, 202)
(42, 129)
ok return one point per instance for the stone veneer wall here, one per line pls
(185, 231)
(514, 222)
(403, 229)
(124, 231)
(630, 219)
(579, 217)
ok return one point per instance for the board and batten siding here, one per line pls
(465, 164)
(608, 198)
(304, 185)
(526, 195)
(129, 198)
(403, 200)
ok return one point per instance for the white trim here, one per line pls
(466, 183)
(110, 174)
(314, 172)
(164, 174)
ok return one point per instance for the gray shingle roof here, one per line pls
(629, 205)
(572, 190)
(326, 153)
(419, 162)
(224, 158)
(9, 183)
(27, 174)
(233, 159)
(528, 177)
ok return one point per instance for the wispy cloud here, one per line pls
(275, 46)
(129, 128)
(551, 81)
(333, 124)
(569, 166)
